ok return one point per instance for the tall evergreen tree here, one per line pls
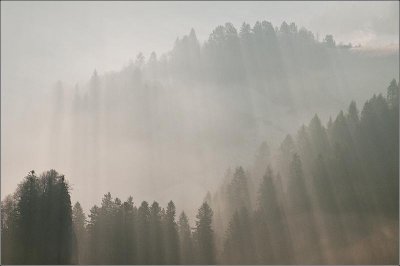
(94, 238)
(171, 235)
(29, 233)
(185, 239)
(239, 191)
(204, 235)
(128, 237)
(239, 246)
(41, 212)
(143, 232)
(79, 225)
(156, 235)
(393, 94)
(275, 236)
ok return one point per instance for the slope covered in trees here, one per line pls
(207, 104)
(329, 195)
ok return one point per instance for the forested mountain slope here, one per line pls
(330, 195)
(205, 104)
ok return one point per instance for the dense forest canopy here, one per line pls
(330, 195)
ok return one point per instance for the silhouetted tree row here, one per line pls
(40, 227)
(328, 189)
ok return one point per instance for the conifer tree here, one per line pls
(204, 235)
(79, 225)
(143, 232)
(185, 240)
(156, 235)
(171, 235)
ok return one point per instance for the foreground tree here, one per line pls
(204, 235)
(143, 230)
(171, 235)
(156, 234)
(185, 240)
(79, 225)
(38, 221)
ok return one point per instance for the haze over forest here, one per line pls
(206, 125)
(159, 104)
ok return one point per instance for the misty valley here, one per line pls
(264, 144)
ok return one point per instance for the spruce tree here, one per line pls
(204, 235)
(143, 232)
(79, 225)
(156, 235)
(171, 235)
(185, 240)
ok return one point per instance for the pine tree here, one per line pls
(143, 232)
(271, 211)
(28, 201)
(171, 235)
(298, 196)
(79, 225)
(43, 231)
(393, 94)
(239, 246)
(318, 136)
(185, 240)
(156, 235)
(303, 227)
(204, 235)
(129, 234)
(93, 230)
(353, 114)
(239, 191)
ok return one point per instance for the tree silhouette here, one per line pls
(186, 242)
(204, 235)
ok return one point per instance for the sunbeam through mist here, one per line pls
(199, 133)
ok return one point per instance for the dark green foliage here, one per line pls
(38, 222)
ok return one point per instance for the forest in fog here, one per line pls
(261, 145)
(169, 125)
(332, 198)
